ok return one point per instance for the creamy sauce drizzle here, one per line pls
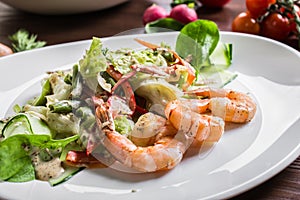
(46, 170)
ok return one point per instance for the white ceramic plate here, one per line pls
(62, 7)
(246, 155)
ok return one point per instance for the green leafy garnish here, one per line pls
(123, 126)
(191, 3)
(94, 61)
(196, 41)
(15, 160)
(22, 40)
(26, 173)
(63, 107)
(46, 90)
(163, 25)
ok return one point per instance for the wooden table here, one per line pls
(68, 28)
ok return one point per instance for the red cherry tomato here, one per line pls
(292, 18)
(246, 24)
(258, 7)
(275, 26)
(214, 3)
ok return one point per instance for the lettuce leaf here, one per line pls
(94, 61)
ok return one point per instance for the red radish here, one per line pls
(183, 14)
(5, 50)
(153, 13)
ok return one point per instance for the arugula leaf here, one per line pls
(22, 41)
(44, 141)
(196, 41)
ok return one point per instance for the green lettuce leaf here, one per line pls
(94, 61)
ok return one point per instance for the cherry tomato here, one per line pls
(246, 24)
(214, 3)
(258, 7)
(275, 26)
(292, 18)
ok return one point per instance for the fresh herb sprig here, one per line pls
(22, 40)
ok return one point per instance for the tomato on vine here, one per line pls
(245, 23)
(276, 19)
(258, 7)
(291, 17)
(275, 26)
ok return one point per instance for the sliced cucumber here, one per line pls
(222, 55)
(66, 175)
(215, 73)
(214, 76)
(25, 124)
(2, 125)
(226, 77)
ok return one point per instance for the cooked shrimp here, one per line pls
(201, 127)
(165, 153)
(172, 137)
(230, 105)
(149, 128)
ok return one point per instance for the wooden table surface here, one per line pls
(128, 16)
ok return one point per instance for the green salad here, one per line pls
(54, 136)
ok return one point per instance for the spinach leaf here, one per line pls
(45, 141)
(178, 2)
(196, 41)
(13, 157)
(163, 25)
(25, 174)
(15, 160)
